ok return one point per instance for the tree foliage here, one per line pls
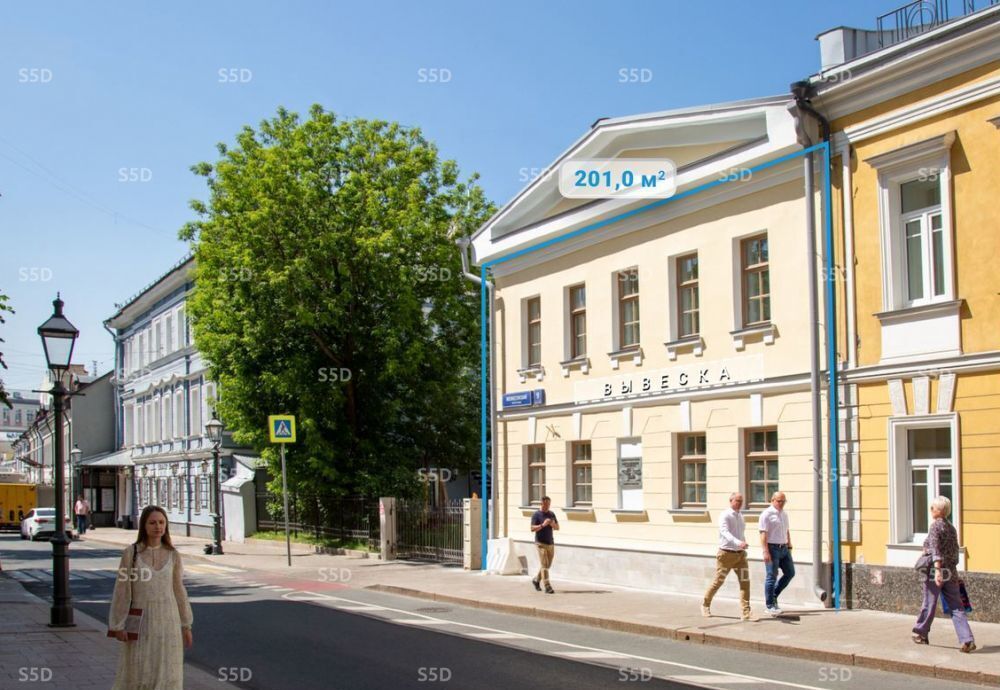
(328, 286)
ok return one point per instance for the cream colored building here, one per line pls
(670, 343)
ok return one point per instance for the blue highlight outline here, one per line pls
(831, 333)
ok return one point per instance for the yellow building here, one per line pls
(917, 146)
(658, 359)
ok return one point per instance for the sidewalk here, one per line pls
(870, 639)
(82, 657)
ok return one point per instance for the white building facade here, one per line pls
(165, 399)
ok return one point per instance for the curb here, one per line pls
(688, 634)
(325, 550)
(197, 557)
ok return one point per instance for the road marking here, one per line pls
(591, 655)
(360, 608)
(271, 587)
(217, 568)
(721, 680)
(95, 574)
(421, 621)
(19, 576)
(496, 636)
(729, 676)
(305, 596)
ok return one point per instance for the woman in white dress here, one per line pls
(153, 582)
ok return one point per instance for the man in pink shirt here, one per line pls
(82, 510)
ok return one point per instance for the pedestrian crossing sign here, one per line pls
(282, 428)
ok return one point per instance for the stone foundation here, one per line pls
(671, 573)
(900, 590)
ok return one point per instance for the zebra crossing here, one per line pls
(45, 575)
(30, 575)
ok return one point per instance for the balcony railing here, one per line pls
(920, 16)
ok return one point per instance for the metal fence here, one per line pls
(347, 519)
(429, 532)
(919, 16)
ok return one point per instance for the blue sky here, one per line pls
(99, 91)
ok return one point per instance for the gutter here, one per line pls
(801, 92)
(492, 507)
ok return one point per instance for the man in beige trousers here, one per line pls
(542, 524)
(732, 556)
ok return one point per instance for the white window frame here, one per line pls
(571, 474)
(167, 408)
(128, 425)
(526, 473)
(568, 337)
(181, 320)
(678, 472)
(140, 424)
(525, 344)
(625, 448)
(900, 490)
(179, 413)
(895, 168)
(195, 406)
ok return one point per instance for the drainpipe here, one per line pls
(850, 307)
(493, 504)
(801, 91)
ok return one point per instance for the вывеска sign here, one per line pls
(723, 372)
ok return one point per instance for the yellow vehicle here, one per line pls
(15, 502)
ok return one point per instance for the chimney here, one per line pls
(844, 44)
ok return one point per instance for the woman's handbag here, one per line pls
(963, 595)
(133, 621)
(924, 563)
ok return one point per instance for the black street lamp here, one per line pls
(74, 463)
(214, 432)
(58, 338)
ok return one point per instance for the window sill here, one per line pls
(581, 363)
(766, 331)
(537, 372)
(633, 353)
(905, 554)
(695, 343)
(585, 513)
(630, 515)
(688, 511)
(923, 332)
(946, 308)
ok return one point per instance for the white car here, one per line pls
(41, 522)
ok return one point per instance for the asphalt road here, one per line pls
(266, 630)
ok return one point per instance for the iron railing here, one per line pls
(429, 532)
(346, 519)
(920, 16)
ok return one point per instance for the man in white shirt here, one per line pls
(732, 556)
(776, 543)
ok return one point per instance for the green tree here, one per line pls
(4, 307)
(328, 286)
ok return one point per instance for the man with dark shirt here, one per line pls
(542, 524)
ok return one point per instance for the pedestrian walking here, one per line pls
(151, 578)
(941, 578)
(732, 555)
(82, 511)
(776, 543)
(542, 524)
